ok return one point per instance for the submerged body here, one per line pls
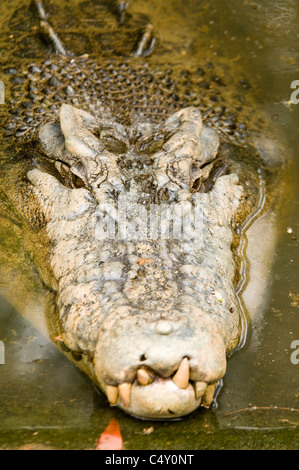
(132, 207)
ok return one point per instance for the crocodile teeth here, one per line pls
(125, 393)
(112, 394)
(181, 377)
(208, 396)
(143, 377)
(200, 388)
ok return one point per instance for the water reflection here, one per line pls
(45, 399)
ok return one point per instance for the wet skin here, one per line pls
(152, 320)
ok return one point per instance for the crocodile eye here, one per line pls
(151, 145)
(112, 141)
(76, 181)
(77, 176)
(114, 146)
(68, 176)
(199, 175)
(196, 185)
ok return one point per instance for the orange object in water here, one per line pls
(111, 438)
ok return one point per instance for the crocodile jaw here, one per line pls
(161, 369)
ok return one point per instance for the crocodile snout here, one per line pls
(160, 369)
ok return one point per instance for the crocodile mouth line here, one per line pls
(180, 380)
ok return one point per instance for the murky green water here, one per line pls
(45, 400)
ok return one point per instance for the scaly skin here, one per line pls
(133, 302)
(148, 310)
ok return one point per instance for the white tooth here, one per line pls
(143, 377)
(208, 396)
(125, 393)
(200, 388)
(112, 394)
(181, 377)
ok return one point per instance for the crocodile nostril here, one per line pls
(164, 327)
(143, 357)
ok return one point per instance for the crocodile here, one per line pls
(132, 185)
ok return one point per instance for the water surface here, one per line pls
(45, 401)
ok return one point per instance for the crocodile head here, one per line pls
(141, 258)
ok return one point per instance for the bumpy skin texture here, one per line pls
(148, 311)
(136, 302)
